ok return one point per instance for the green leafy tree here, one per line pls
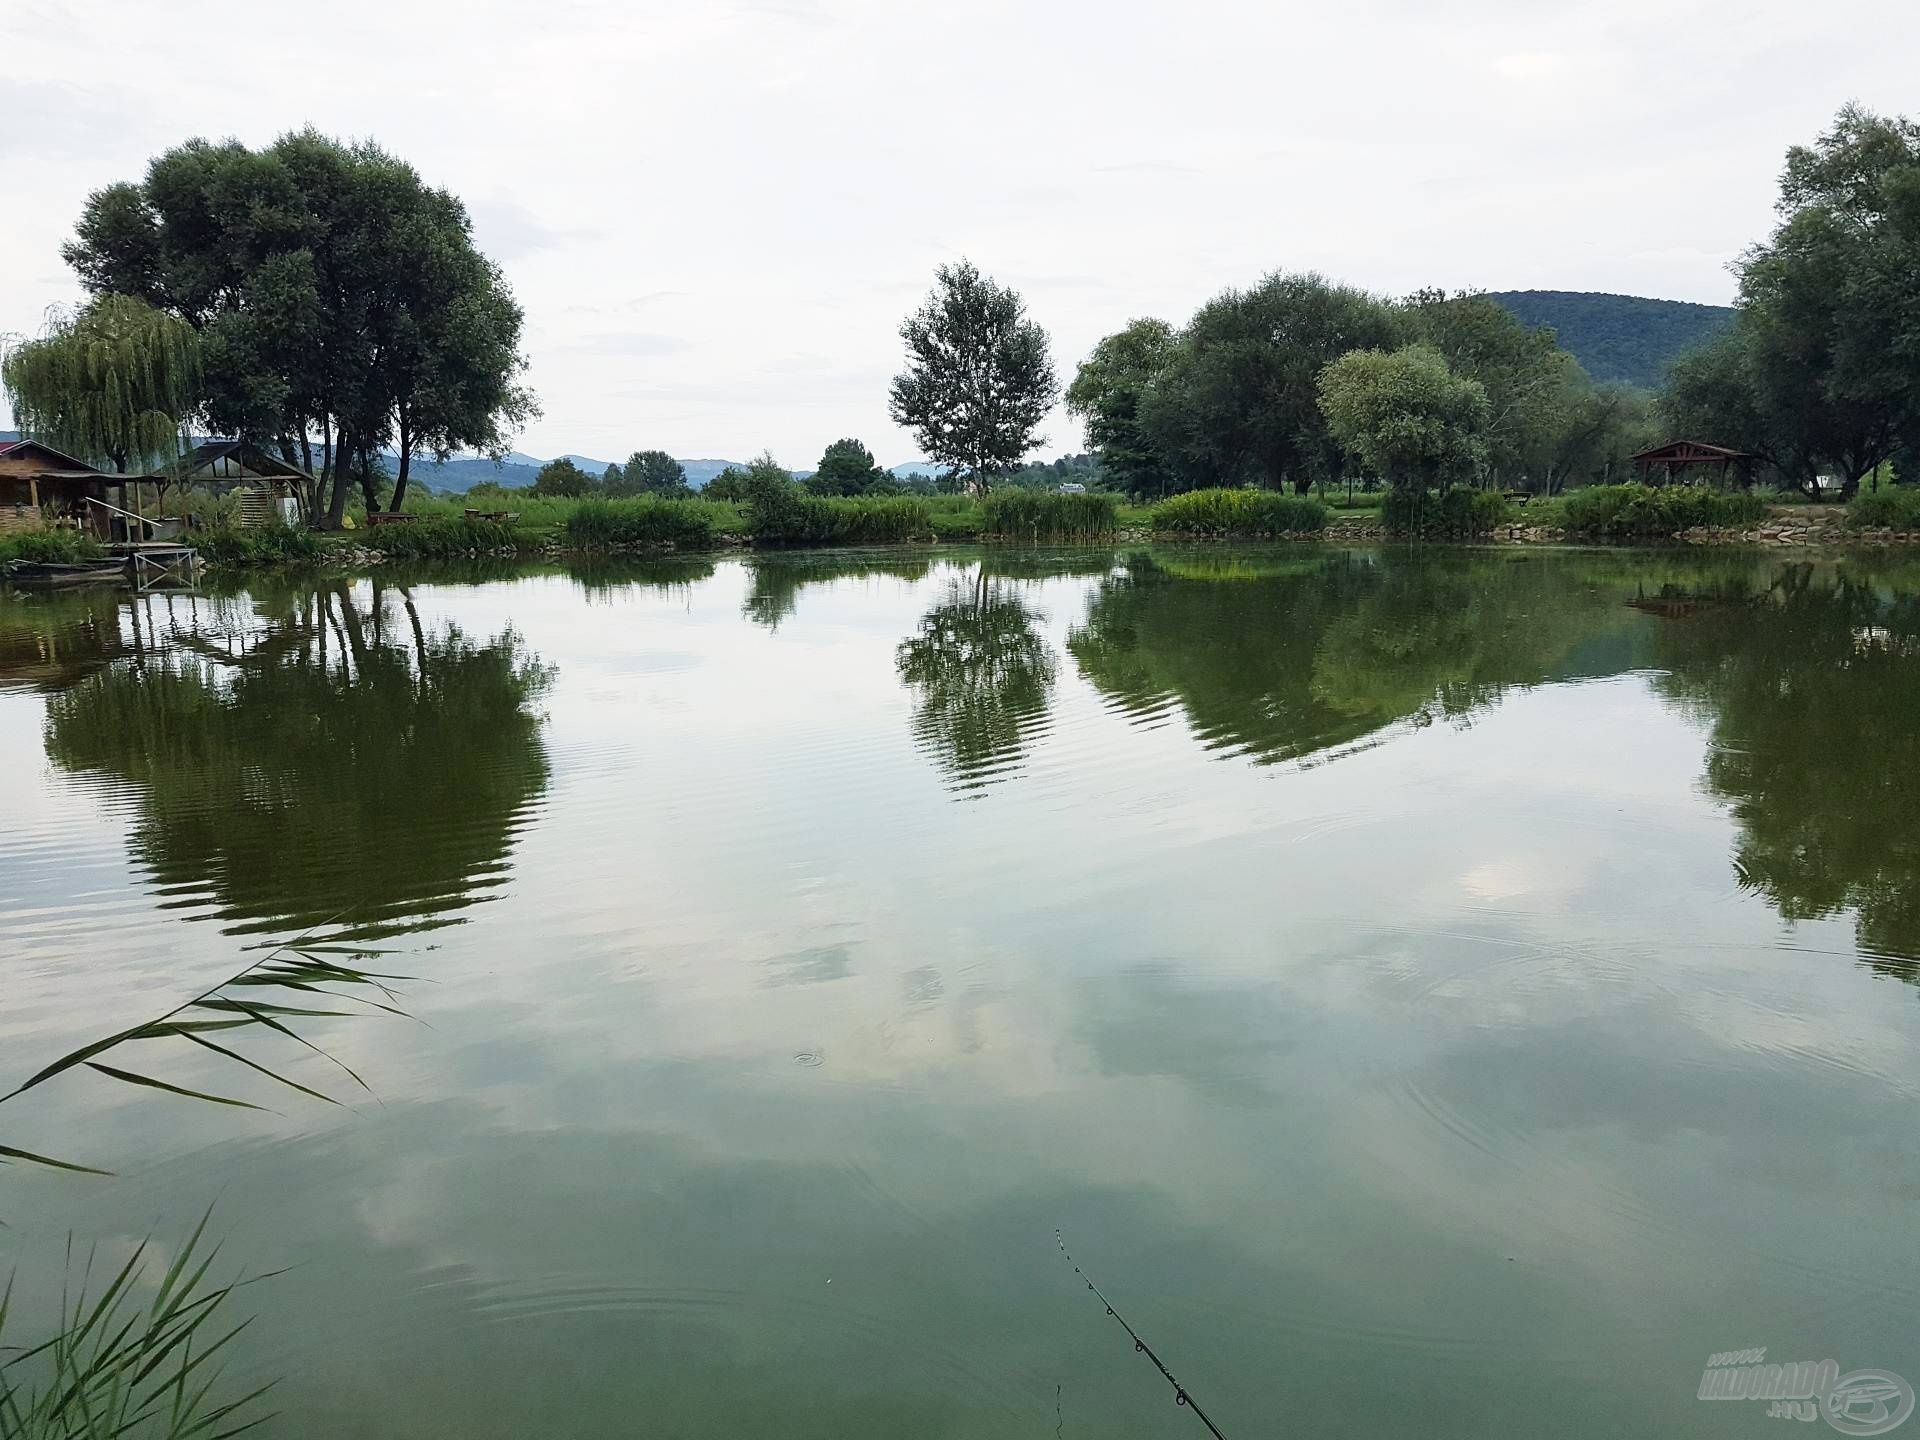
(767, 489)
(613, 481)
(1596, 429)
(1817, 373)
(729, 484)
(1107, 393)
(848, 468)
(114, 384)
(1535, 390)
(1238, 403)
(653, 472)
(1407, 417)
(978, 380)
(341, 303)
(562, 480)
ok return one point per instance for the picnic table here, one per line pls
(499, 517)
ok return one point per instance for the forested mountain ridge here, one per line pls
(1619, 337)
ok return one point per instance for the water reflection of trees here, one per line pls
(320, 750)
(610, 577)
(775, 582)
(1290, 658)
(53, 642)
(981, 675)
(1811, 685)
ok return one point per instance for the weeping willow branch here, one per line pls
(114, 384)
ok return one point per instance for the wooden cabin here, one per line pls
(270, 490)
(43, 487)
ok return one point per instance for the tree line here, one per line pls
(320, 299)
(315, 297)
(1299, 380)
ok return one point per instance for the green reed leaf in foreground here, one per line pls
(290, 968)
(115, 1367)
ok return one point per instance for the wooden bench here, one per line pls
(498, 517)
(390, 517)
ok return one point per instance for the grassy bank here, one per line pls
(1032, 515)
(1646, 512)
(1891, 507)
(48, 547)
(1241, 514)
(788, 516)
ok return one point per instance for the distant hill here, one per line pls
(1619, 337)
(518, 470)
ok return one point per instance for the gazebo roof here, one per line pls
(241, 452)
(1689, 452)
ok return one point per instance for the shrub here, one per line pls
(645, 520)
(1464, 510)
(49, 547)
(1891, 507)
(443, 539)
(800, 519)
(269, 545)
(1255, 513)
(1049, 515)
(1650, 512)
(958, 522)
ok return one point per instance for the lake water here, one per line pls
(1438, 993)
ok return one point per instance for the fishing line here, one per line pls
(1180, 1395)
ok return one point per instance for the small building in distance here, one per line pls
(41, 486)
(269, 490)
(1688, 461)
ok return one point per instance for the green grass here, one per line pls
(645, 520)
(800, 519)
(1641, 512)
(1461, 513)
(955, 522)
(1338, 499)
(49, 547)
(1249, 514)
(1048, 515)
(269, 545)
(1891, 507)
(447, 539)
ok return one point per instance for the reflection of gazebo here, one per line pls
(1672, 461)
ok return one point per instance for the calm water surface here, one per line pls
(1439, 994)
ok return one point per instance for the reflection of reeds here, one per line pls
(250, 1003)
(114, 1367)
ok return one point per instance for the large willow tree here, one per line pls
(113, 384)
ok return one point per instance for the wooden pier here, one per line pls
(151, 565)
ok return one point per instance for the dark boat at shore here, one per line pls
(48, 575)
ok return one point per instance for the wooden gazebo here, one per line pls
(270, 490)
(1681, 461)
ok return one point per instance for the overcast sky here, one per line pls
(716, 214)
